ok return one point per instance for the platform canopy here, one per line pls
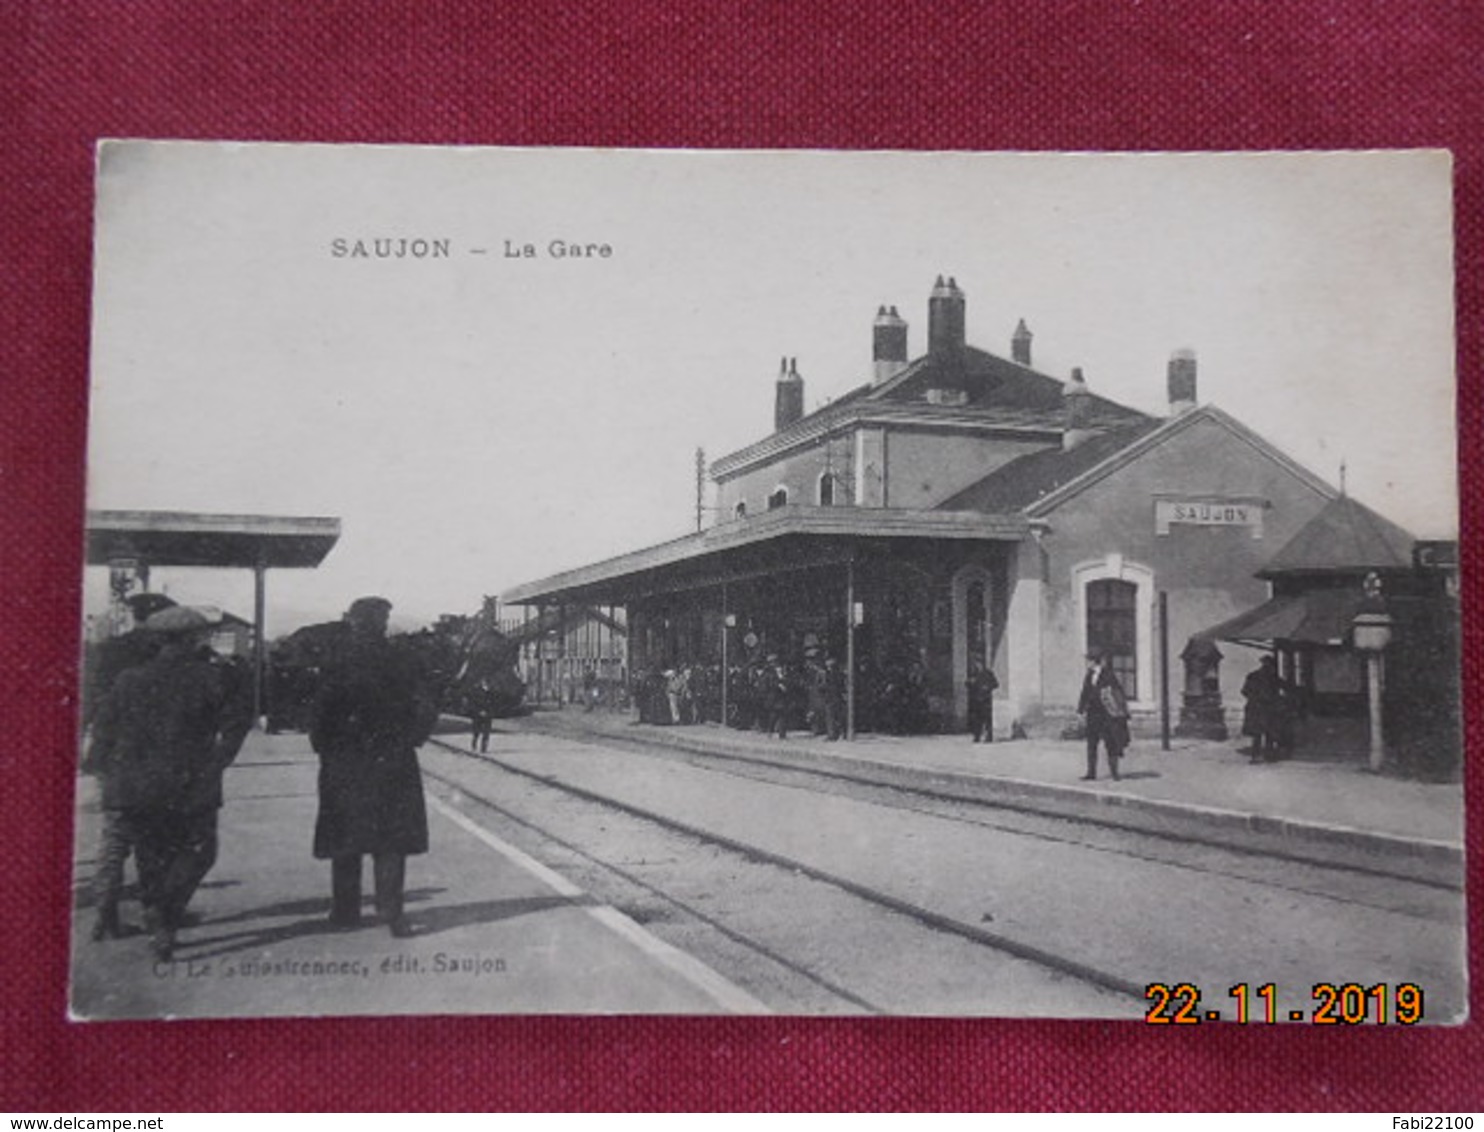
(259, 543)
(1319, 617)
(788, 537)
(183, 538)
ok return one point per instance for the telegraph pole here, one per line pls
(700, 486)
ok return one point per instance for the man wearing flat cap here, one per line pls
(162, 738)
(372, 712)
(118, 654)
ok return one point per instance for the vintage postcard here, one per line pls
(923, 584)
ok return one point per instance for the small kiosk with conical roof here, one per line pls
(1349, 563)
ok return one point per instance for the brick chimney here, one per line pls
(1077, 399)
(1020, 344)
(888, 344)
(1180, 382)
(788, 399)
(946, 320)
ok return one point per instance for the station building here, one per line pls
(963, 505)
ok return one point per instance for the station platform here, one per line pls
(495, 931)
(1317, 804)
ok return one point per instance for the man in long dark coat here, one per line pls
(373, 711)
(1264, 719)
(162, 739)
(1104, 707)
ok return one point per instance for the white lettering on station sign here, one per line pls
(1209, 513)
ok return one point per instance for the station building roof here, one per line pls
(1025, 480)
(999, 396)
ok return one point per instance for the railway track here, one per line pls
(1328, 859)
(662, 902)
(1344, 879)
(653, 873)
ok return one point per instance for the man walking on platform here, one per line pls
(162, 739)
(1104, 708)
(372, 712)
(481, 716)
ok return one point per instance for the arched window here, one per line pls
(976, 624)
(779, 498)
(1112, 628)
(1115, 599)
(740, 511)
(827, 490)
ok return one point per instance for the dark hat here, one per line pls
(368, 605)
(181, 619)
(1267, 660)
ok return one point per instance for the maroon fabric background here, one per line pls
(1263, 74)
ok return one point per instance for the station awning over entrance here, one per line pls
(180, 538)
(1320, 617)
(785, 538)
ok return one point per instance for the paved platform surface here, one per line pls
(1316, 797)
(497, 933)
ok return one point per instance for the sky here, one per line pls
(480, 419)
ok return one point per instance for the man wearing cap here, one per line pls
(162, 739)
(372, 712)
(118, 654)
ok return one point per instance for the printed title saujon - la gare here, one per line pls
(441, 247)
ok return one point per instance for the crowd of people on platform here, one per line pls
(770, 694)
(766, 694)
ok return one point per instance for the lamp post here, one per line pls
(1372, 633)
(728, 621)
